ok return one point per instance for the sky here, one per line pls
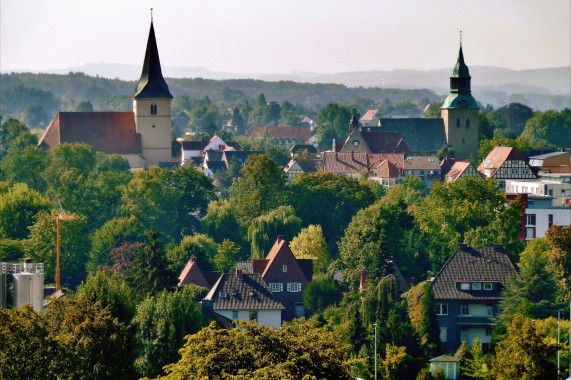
(286, 36)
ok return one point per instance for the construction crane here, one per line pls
(61, 215)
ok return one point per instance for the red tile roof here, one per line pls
(457, 169)
(290, 133)
(192, 274)
(387, 169)
(369, 115)
(355, 162)
(385, 142)
(108, 132)
(556, 169)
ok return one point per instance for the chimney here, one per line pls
(192, 259)
(333, 148)
(238, 274)
(463, 246)
(281, 238)
(363, 281)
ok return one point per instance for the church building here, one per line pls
(143, 136)
(457, 127)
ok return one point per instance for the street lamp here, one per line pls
(375, 326)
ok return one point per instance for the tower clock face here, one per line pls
(463, 104)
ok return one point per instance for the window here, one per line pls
(294, 287)
(464, 286)
(476, 286)
(487, 286)
(490, 310)
(488, 331)
(549, 220)
(222, 295)
(234, 315)
(530, 233)
(530, 219)
(284, 268)
(463, 141)
(253, 315)
(457, 123)
(276, 287)
(153, 109)
(444, 334)
(464, 309)
(467, 123)
(441, 309)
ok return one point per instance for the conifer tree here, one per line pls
(151, 272)
(429, 329)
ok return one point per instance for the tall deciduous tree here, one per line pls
(559, 256)
(23, 165)
(221, 222)
(329, 201)
(471, 209)
(298, 351)
(162, 322)
(429, 329)
(227, 256)
(549, 128)
(264, 230)
(18, 208)
(261, 189)
(333, 123)
(525, 353)
(310, 244)
(200, 246)
(168, 200)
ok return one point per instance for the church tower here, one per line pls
(152, 108)
(460, 113)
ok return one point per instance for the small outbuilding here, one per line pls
(450, 365)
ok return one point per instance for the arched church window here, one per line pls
(153, 109)
(467, 123)
(457, 123)
(463, 141)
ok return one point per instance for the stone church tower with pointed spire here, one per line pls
(460, 113)
(152, 107)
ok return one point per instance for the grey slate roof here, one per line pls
(467, 264)
(419, 134)
(242, 298)
(216, 166)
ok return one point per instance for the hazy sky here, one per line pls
(282, 36)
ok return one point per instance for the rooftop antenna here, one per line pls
(460, 37)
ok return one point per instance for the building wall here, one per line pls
(155, 130)
(538, 227)
(270, 318)
(464, 139)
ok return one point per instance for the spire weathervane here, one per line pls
(151, 14)
(460, 34)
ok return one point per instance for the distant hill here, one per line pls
(556, 81)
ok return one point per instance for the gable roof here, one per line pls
(458, 168)
(194, 145)
(420, 134)
(354, 162)
(291, 133)
(152, 84)
(216, 166)
(108, 132)
(192, 274)
(497, 157)
(387, 169)
(311, 149)
(237, 289)
(467, 264)
(280, 250)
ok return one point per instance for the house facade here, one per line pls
(467, 291)
(540, 214)
(286, 276)
(505, 163)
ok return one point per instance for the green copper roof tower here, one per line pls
(152, 84)
(460, 92)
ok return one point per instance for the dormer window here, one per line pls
(464, 286)
(487, 286)
(476, 286)
(153, 109)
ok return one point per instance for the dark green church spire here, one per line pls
(152, 84)
(460, 88)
